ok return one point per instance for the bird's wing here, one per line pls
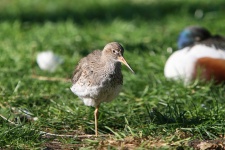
(86, 65)
(216, 41)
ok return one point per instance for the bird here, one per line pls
(98, 78)
(201, 55)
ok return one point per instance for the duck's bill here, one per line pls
(122, 60)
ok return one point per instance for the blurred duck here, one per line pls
(201, 55)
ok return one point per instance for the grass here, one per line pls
(150, 112)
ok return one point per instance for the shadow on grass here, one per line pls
(126, 10)
(33, 102)
(174, 117)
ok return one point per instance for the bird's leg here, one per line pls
(96, 120)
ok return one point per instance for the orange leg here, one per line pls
(96, 120)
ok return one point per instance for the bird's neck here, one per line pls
(112, 66)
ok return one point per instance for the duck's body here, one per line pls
(98, 78)
(187, 63)
(211, 68)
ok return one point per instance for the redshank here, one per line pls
(98, 78)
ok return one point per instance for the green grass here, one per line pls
(149, 112)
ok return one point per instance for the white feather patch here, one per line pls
(89, 94)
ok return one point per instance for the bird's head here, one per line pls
(114, 51)
(191, 35)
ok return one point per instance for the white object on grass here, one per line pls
(47, 60)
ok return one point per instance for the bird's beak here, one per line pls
(122, 60)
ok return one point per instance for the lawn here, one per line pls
(150, 111)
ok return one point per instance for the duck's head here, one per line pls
(191, 35)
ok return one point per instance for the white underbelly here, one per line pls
(94, 95)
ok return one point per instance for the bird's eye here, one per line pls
(114, 51)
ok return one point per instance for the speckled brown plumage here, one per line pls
(98, 78)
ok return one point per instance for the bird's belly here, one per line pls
(94, 95)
